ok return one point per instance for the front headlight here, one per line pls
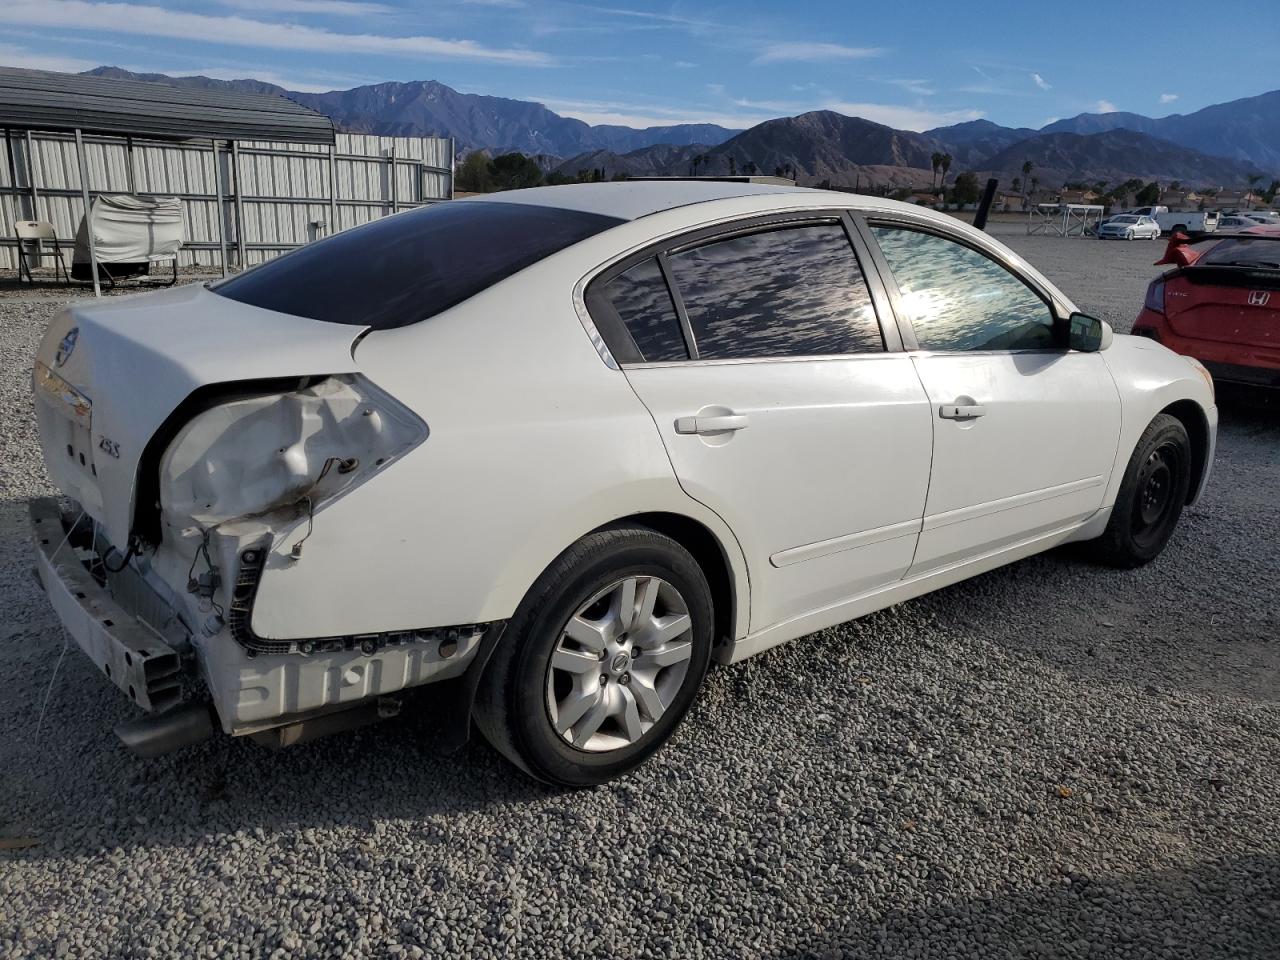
(257, 455)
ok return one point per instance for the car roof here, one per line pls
(633, 199)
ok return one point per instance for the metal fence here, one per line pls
(275, 196)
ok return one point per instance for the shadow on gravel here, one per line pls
(1222, 908)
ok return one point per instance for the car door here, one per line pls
(1025, 430)
(761, 358)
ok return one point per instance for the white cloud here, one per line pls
(1041, 82)
(1168, 97)
(334, 8)
(11, 56)
(920, 88)
(784, 52)
(1106, 106)
(903, 118)
(138, 19)
(632, 115)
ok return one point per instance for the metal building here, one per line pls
(283, 177)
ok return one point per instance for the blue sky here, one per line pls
(914, 65)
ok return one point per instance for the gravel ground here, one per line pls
(1051, 760)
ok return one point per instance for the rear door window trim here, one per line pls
(620, 343)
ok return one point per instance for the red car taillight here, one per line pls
(1155, 296)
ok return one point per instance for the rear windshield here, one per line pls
(404, 268)
(1261, 253)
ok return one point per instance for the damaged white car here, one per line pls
(554, 451)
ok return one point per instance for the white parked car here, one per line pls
(1129, 226)
(1245, 221)
(557, 450)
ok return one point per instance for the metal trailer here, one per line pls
(1064, 219)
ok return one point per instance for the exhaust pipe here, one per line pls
(161, 733)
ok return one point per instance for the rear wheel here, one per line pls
(1151, 496)
(602, 660)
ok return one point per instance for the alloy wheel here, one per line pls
(619, 663)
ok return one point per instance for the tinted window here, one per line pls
(1263, 253)
(641, 298)
(959, 299)
(405, 268)
(796, 291)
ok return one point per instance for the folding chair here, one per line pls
(32, 235)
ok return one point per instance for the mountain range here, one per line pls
(428, 108)
(827, 146)
(1223, 144)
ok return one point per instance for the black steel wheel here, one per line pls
(1151, 496)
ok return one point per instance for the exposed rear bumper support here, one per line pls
(132, 656)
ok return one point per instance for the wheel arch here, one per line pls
(1192, 416)
(712, 557)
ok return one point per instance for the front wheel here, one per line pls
(1151, 496)
(601, 661)
(1128, 234)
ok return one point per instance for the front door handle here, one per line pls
(725, 423)
(961, 411)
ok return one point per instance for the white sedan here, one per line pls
(1129, 227)
(563, 448)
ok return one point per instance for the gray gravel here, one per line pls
(1052, 760)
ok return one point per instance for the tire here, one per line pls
(1151, 497)
(538, 672)
(1128, 234)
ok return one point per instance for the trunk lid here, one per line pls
(109, 373)
(1225, 304)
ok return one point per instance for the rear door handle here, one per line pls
(704, 425)
(961, 411)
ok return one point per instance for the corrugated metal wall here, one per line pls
(286, 187)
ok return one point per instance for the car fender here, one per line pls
(1151, 378)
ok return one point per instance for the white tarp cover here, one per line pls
(129, 229)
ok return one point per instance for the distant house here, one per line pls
(1233, 200)
(1078, 196)
(1180, 199)
(1007, 200)
(923, 199)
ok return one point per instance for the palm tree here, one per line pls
(1027, 167)
(1035, 185)
(733, 167)
(936, 159)
(1254, 180)
(945, 164)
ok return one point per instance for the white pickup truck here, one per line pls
(1174, 221)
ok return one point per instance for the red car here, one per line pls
(1221, 304)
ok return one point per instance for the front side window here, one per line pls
(792, 291)
(958, 299)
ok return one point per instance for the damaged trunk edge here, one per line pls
(235, 468)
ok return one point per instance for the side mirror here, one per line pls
(1088, 334)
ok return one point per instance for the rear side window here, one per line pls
(408, 267)
(643, 302)
(788, 292)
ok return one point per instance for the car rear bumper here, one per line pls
(1228, 362)
(125, 649)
